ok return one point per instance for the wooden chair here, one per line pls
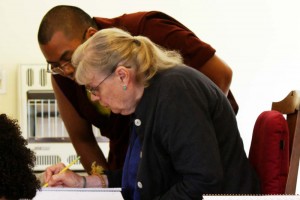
(289, 106)
(275, 146)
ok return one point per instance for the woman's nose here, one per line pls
(94, 98)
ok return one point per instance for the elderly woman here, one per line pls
(185, 141)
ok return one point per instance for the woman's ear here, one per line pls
(123, 73)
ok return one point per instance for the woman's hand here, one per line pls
(54, 178)
(66, 179)
(52, 170)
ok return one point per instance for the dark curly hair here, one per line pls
(17, 179)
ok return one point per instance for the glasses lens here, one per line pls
(57, 70)
(54, 69)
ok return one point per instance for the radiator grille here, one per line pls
(47, 160)
(43, 77)
(73, 157)
(29, 77)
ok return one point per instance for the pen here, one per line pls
(66, 168)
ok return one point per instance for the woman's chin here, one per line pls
(122, 111)
(115, 111)
(127, 112)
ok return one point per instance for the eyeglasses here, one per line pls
(95, 90)
(56, 68)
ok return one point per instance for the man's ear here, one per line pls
(90, 32)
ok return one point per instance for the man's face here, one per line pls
(58, 53)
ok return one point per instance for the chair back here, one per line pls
(275, 147)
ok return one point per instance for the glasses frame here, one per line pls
(59, 69)
(93, 90)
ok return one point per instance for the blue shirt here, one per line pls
(129, 186)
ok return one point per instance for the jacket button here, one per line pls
(137, 122)
(141, 154)
(140, 185)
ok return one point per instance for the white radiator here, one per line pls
(40, 121)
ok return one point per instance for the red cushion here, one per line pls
(269, 151)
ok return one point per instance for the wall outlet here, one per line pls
(2, 81)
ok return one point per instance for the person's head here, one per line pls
(62, 29)
(16, 163)
(117, 67)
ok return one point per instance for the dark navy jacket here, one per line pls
(190, 140)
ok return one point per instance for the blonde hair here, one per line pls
(108, 48)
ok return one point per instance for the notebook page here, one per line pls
(78, 194)
(251, 197)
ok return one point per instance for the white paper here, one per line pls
(251, 197)
(79, 193)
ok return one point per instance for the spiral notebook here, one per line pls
(251, 197)
(79, 194)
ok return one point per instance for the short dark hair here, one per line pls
(71, 20)
(17, 179)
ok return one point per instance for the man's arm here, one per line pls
(219, 72)
(80, 132)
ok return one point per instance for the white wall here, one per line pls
(257, 38)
